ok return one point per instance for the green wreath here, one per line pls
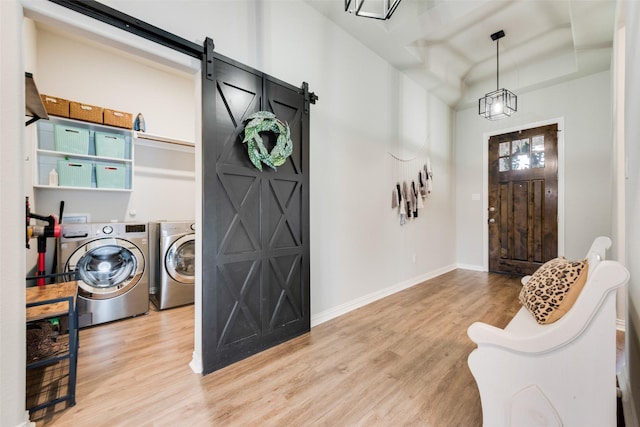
(264, 121)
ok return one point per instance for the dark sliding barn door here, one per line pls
(255, 223)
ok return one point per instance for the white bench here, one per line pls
(558, 374)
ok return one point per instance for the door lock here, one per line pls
(492, 221)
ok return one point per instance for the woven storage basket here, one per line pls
(110, 175)
(117, 118)
(74, 173)
(86, 112)
(55, 106)
(69, 139)
(109, 145)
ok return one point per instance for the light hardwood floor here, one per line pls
(399, 361)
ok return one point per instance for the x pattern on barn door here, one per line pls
(260, 287)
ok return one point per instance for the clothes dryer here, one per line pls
(172, 273)
(111, 264)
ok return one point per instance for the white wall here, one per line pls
(75, 68)
(632, 219)
(69, 66)
(359, 252)
(12, 253)
(585, 106)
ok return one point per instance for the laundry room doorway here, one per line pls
(165, 177)
(262, 271)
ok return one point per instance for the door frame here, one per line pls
(102, 31)
(485, 182)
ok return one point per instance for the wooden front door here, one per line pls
(523, 199)
(255, 224)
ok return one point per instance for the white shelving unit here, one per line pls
(47, 157)
(159, 141)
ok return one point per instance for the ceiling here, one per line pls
(445, 45)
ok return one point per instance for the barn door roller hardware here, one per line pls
(208, 51)
(309, 97)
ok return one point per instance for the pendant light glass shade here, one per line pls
(377, 9)
(500, 103)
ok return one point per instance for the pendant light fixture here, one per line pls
(500, 103)
(376, 9)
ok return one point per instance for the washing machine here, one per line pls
(173, 266)
(111, 265)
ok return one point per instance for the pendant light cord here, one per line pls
(498, 64)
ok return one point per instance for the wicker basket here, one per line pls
(86, 112)
(55, 106)
(118, 118)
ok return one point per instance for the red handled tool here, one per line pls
(42, 232)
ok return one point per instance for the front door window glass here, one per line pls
(537, 151)
(504, 154)
(521, 154)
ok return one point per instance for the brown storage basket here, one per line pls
(86, 112)
(118, 119)
(55, 106)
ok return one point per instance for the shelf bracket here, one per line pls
(33, 106)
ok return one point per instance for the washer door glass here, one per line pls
(180, 260)
(107, 268)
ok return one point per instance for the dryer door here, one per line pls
(107, 268)
(180, 260)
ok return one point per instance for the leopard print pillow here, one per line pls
(553, 288)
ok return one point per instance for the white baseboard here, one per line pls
(628, 402)
(470, 267)
(26, 422)
(334, 312)
(196, 363)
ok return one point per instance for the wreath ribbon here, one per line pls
(265, 121)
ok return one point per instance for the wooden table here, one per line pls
(51, 380)
(47, 293)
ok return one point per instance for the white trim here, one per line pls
(93, 29)
(151, 171)
(341, 309)
(27, 422)
(84, 26)
(621, 325)
(485, 182)
(470, 267)
(628, 402)
(196, 363)
(150, 140)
